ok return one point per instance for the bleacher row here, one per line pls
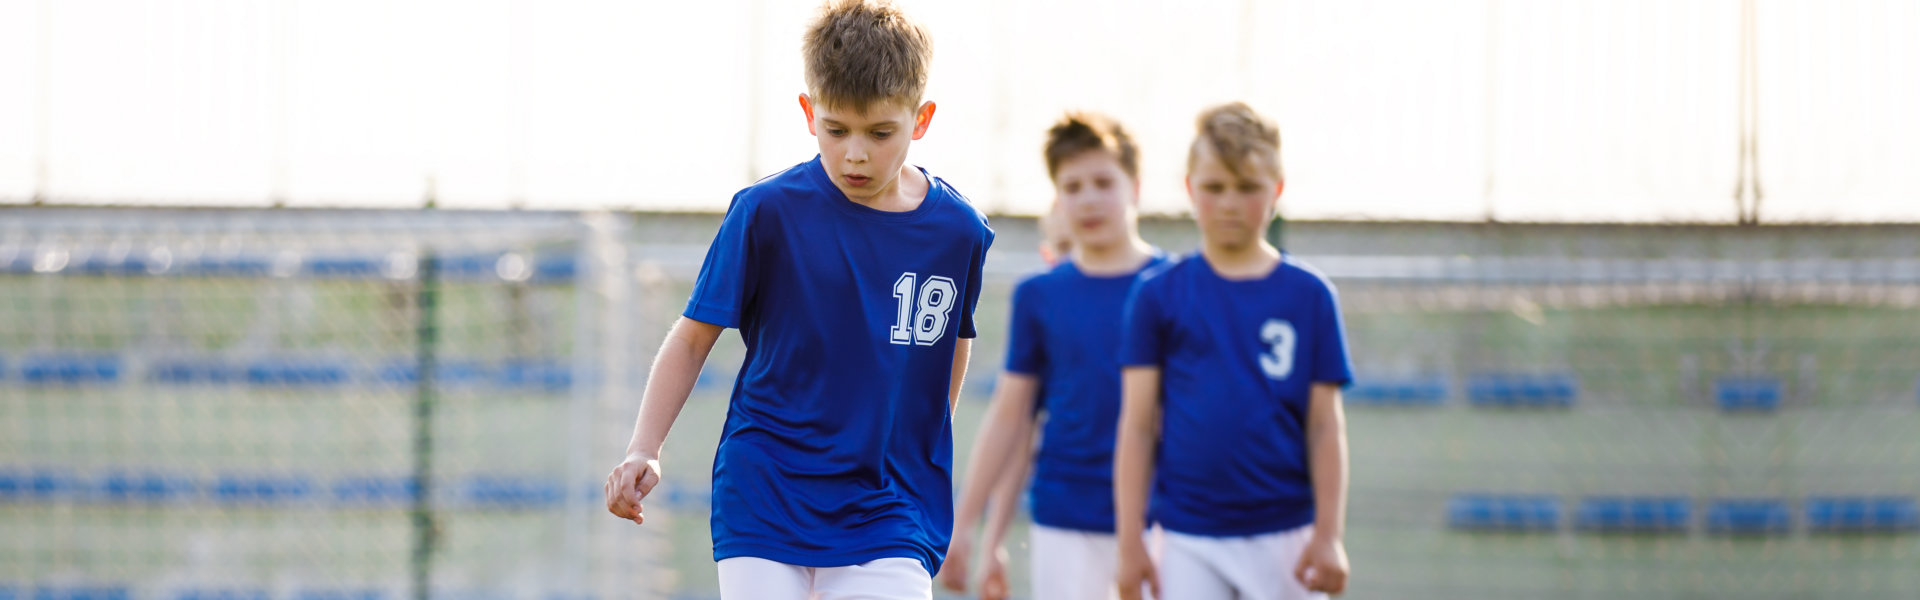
(81, 369)
(493, 266)
(1675, 515)
(189, 592)
(1736, 393)
(125, 487)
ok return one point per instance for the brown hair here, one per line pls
(1239, 137)
(859, 52)
(1083, 131)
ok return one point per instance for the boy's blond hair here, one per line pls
(862, 52)
(1240, 138)
(1083, 131)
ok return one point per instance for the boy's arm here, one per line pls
(962, 351)
(675, 369)
(1323, 564)
(1132, 474)
(1009, 422)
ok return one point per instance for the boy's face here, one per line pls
(1095, 199)
(864, 152)
(1233, 210)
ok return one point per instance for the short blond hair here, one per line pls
(1240, 138)
(862, 52)
(1079, 132)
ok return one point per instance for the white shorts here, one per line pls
(1070, 564)
(1258, 567)
(748, 578)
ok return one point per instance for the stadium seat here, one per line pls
(340, 594)
(1517, 390)
(548, 375)
(1863, 514)
(221, 594)
(70, 369)
(232, 266)
(129, 264)
(1748, 393)
(558, 268)
(22, 485)
(1749, 516)
(296, 372)
(368, 490)
(347, 267)
(1634, 514)
(1403, 391)
(1493, 512)
(145, 487)
(450, 372)
(82, 592)
(511, 492)
(197, 371)
(261, 489)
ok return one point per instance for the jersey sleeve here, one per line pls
(725, 286)
(1143, 326)
(975, 271)
(1026, 348)
(1330, 361)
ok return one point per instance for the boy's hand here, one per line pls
(1134, 568)
(1323, 566)
(993, 575)
(953, 572)
(629, 484)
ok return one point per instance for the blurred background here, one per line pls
(354, 300)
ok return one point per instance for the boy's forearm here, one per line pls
(1009, 418)
(1327, 448)
(1006, 494)
(1133, 450)
(675, 369)
(962, 351)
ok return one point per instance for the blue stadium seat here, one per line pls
(1748, 393)
(1521, 390)
(23, 485)
(197, 371)
(231, 266)
(1634, 514)
(1749, 516)
(1403, 391)
(296, 372)
(261, 489)
(455, 372)
(145, 487)
(340, 594)
(379, 491)
(548, 375)
(1494, 512)
(1863, 514)
(511, 492)
(551, 269)
(82, 592)
(129, 264)
(347, 267)
(221, 594)
(70, 369)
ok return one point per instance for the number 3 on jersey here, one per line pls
(924, 321)
(1279, 336)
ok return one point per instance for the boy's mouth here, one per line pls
(857, 180)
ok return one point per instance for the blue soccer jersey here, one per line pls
(837, 448)
(1064, 327)
(1236, 358)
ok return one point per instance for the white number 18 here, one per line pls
(925, 325)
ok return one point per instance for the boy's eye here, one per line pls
(1072, 187)
(1248, 188)
(1103, 183)
(881, 135)
(836, 132)
(1213, 188)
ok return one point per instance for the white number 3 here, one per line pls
(925, 325)
(1279, 335)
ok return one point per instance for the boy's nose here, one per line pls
(856, 153)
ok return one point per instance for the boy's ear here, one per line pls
(806, 106)
(921, 118)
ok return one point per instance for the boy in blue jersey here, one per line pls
(1065, 325)
(852, 278)
(1234, 360)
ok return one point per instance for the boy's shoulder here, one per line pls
(1299, 270)
(968, 213)
(797, 181)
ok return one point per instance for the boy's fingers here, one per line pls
(1153, 582)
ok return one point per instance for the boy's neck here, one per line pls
(1115, 259)
(905, 193)
(1252, 261)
